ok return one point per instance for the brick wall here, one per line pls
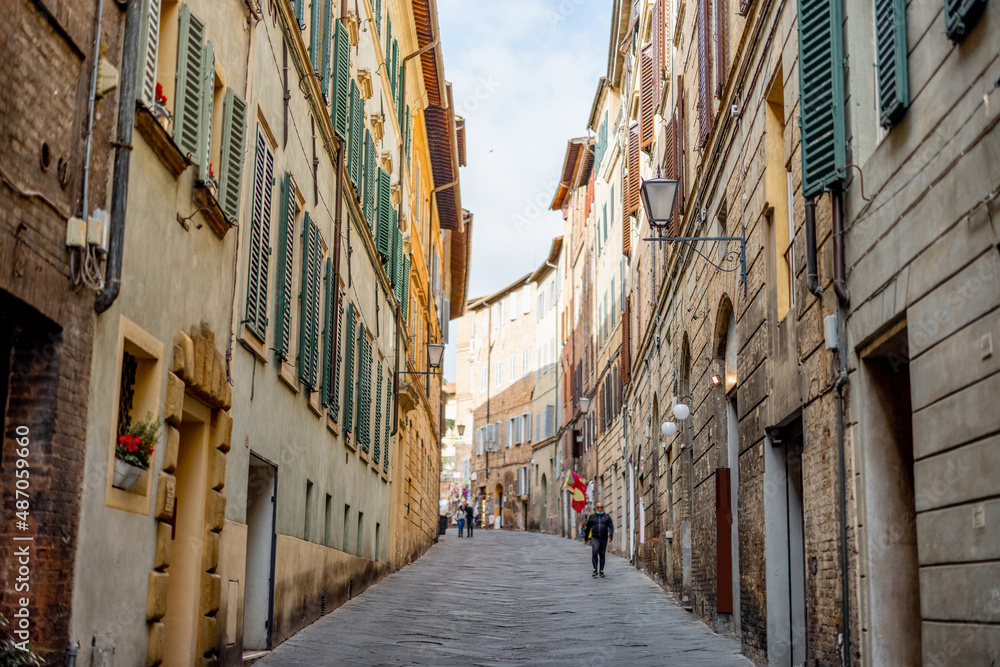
(47, 327)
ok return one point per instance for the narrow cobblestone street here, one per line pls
(509, 598)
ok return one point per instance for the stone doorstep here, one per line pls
(250, 657)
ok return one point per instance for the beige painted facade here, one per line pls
(508, 346)
(296, 467)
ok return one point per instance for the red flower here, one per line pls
(160, 97)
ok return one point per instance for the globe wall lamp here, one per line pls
(658, 196)
(681, 412)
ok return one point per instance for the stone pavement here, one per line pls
(504, 598)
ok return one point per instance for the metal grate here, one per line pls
(127, 393)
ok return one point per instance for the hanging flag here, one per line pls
(578, 486)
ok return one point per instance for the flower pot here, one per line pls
(126, 475)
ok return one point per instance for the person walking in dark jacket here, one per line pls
(468, 518)
(600, 530)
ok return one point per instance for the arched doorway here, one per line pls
(543, 517)
(729, 562)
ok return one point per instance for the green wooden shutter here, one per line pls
(207, 102)
(149, 42)
(315, 34)
(338, 357)
(364, 389)
(309, 304)
(260, 238)
(383, 237)
(378, 16)
(188, 96)
(370, 184)
(324, 75)
(890, 47)
(397, 264)
(960, 16)
(234, 128)
(393, 71)
(340, 109)
(356, 145)
(377, 438)
(331, 322)
(299, 7)
(821, 95)
(349, 370)
(405, 279)
(388, 423)
(408, 135)
(388, 42)
(286, 253)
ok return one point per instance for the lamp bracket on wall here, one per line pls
(736, 257)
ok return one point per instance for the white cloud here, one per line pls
(524, 75)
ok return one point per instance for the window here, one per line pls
(328, 521)
(513, 369)
(499, 373)
(361, 534)
(483, 378)
(890, 66)
(140, 373)
(513, 305)
(612, 312)
(525, 370)
(526, 426)
(526, 299)
(345, 544)
(309, 304)
(255, 318)
(308, 530)
(286, 266)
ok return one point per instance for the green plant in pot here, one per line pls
(134, 451)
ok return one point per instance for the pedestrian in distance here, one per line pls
(600, 530)
(469, 518)
(460, 519)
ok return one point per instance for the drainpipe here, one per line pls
(90, 110)
(123, 154)
(843, 300)
(812, 274)
(74, 649)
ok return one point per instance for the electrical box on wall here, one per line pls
(76, 233)
(97, 230)
(830, 332)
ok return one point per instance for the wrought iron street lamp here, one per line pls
(435, 354)
(461, 430)
(658, 197)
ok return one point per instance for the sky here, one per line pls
(524, 75)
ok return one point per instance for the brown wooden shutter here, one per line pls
(679, 157)
(626, 353)
(704, 72)
(659, 52)
(633, 169)
(589, 198)
(720, 46)
(647, 102)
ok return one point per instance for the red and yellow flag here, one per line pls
(578, 486)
